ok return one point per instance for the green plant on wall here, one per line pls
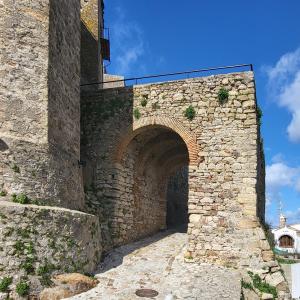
(5, 283)
(15, 168)
(21, 199)
(22, 288)
(259, 114)
(190, 113)
(144, 102)
(223, 96)
(136, 113)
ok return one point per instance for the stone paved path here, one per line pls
(157, 263)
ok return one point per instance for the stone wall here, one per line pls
(91, 29)
(226, 186)
(36, 242)
(40, 101)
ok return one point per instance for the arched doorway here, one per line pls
(286, 241)
(153, 181)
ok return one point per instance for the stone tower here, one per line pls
(40, 101)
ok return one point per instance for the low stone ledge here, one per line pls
(38, 241)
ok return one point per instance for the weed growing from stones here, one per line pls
(144, 102)
(3, 193)
(136, 113)
(190, 113)
(223, 96)
(5, 283)
(259, 114)
(22, 288)
(15, 168)
(262, 286)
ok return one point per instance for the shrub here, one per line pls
(190, 113)
(286, 261)
(144, 102)
(21, 198)
(263, 286)
(247, 285)
(259, 114)
(137, 113)
(223, 96)
(22, 288)
(3, 193)
(28, 265)
(15, 168)
(5, 283)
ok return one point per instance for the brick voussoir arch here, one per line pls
(186, 134)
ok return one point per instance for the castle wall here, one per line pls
(36, 242)
(91, 29)
(225, 184)
(40, 101)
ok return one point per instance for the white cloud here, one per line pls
(128, 45)
(284, 86)
(278, 176)
(298, 185)
(293, 216)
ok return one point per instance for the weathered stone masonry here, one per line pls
(126, 146)
(40, 143)
(219, 145)
(39, 101)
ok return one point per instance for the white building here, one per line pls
(287, 237)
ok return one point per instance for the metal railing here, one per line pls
(187, 73)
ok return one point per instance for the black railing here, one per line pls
(136, 79)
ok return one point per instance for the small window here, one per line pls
(286, 242)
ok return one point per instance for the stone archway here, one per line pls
(151, 160)
(160, 121)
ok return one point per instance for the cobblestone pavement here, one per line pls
(157, 263)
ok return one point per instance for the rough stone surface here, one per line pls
(250, 295)
(55, 293)
(68, 285)
(266, 296)
(157, 263)
(38, 241)
(40, 101)
(3, 296)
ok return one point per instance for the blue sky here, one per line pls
(149, 37)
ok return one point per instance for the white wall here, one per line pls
(295, 270)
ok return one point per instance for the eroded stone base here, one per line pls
(38, 241)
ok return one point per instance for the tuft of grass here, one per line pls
(21, 199)
(3, 193)
(5, 283)
(223, 96)
(190, 113)
(286, 261)
(247, 285)
(22, 288)
(136, 113)
(259, 114)
(28, 265)
(144, 102)
(262, 286)
(15, 168)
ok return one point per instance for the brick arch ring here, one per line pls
(175, 125)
